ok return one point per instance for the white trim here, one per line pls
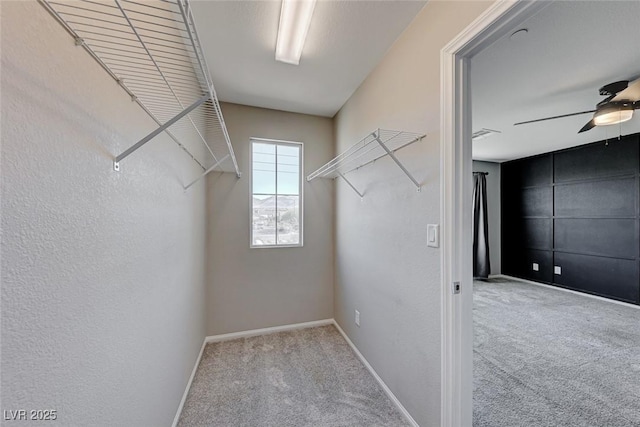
(571, 291)
(375, 375)
(186, 390)
(301, 183)
(267, 331)
(455, 202)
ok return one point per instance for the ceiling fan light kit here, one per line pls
(617, 108)
(613, 114)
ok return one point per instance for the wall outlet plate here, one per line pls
(535, 267)
(557, 270)
(357, 318)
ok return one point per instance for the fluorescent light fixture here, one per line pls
(295, 17)
(612, 116)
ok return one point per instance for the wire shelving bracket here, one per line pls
(152, 50)
(379, 143)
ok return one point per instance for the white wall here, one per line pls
(102, 272)
(258, 288)
(383, 266)
(493, 208)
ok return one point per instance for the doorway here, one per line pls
(458, 337)
(455, 202)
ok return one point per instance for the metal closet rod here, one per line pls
(73, 34)
(93, 25)
(118, 41)
(153, 60)
(149, 6)
(360, 155)
(359, 150)
(101, 12)
(115, 30)
(351, 155)
(151, 69)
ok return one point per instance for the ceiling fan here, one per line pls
(622, 98)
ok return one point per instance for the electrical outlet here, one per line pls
(357, 318)
(557, 270)
(536, 267)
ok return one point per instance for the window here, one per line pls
(276, 193)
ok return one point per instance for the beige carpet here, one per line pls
(548, 358)
(308, 377)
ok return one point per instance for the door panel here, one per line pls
(610, 198)
(597, 161)
(609, 277)
(606, 237)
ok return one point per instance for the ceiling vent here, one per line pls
(483, 133)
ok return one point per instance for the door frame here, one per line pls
(455, 201)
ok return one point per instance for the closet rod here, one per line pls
(155, 55)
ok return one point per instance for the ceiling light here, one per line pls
(295, 17)
(612, 115)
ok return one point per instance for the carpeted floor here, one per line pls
(544, 357)
(308, 377)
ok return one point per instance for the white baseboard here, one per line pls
(375, 375)
(266, 331)
(186, 390)
(284, 328)
(571, 291)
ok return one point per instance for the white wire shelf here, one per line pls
(152, 50)
(379, 143)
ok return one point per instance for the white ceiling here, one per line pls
(346, 40)
(571, 50)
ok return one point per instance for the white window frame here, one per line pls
(300, 195)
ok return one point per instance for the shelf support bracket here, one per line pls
(395, 159)
(351, 185)
(159, 130)
(206, 172)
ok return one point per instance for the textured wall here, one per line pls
(102, 272)
(383, 265)
(493, 208)
(260, 287)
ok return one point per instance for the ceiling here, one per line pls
(571, 50)
(346, 40)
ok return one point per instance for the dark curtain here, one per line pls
(481, 264)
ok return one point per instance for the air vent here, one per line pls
(483, 133)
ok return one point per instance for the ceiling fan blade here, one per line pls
(612, 89)
(631, 93)
(588, 126)
(554, 117)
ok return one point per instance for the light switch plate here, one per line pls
(433, 235)
(535, 267)
(557, 270)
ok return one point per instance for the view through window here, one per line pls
(276, 193)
